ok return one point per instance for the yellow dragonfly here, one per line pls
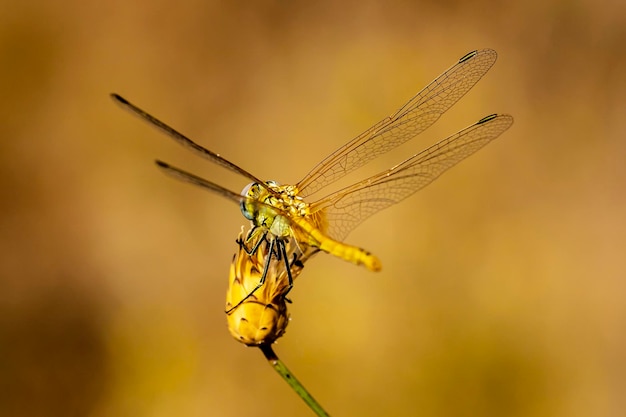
(287, 230)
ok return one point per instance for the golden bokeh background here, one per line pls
(502, 291)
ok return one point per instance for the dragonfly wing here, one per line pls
(185, 141)
(413, 118)
(348, 207)
(256, 206)
(185, 176)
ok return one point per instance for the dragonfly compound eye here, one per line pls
(247, 207)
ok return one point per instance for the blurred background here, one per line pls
(502, 290)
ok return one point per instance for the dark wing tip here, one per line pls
(119, 98)
(468, 56)
(501, 116)
(486, 119)
(472, 54)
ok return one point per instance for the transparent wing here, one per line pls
(185, 176)
(410, 120)
(185, 141)
(199, 181)
(350, 206)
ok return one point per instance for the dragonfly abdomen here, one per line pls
(351, 254)
(314, 228)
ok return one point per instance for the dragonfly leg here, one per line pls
(253, 250)
(277, 250)
(266, 268)
(281, 245)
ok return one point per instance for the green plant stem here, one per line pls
(280, 367)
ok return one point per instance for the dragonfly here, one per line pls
(286, 229)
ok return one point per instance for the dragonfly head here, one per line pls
(254, 192)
